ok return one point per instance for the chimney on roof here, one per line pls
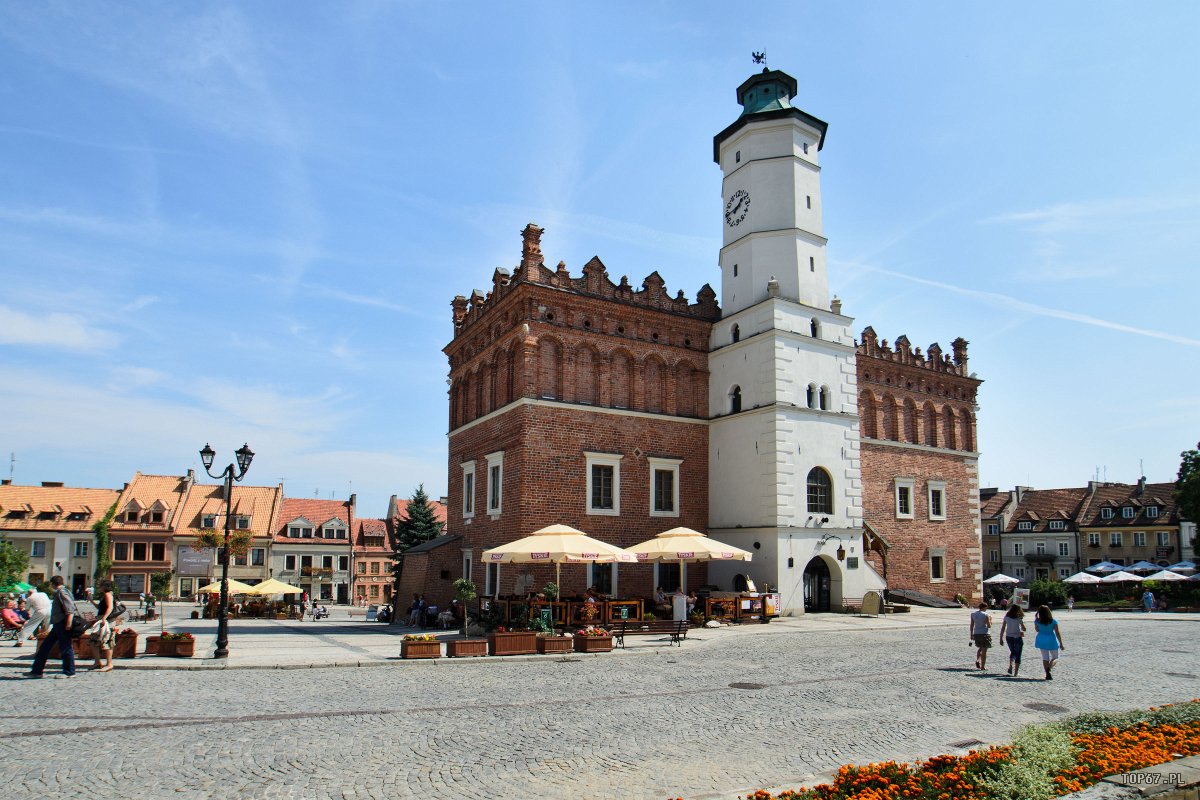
(60, 484)
(444, 501)
(6, 482)
(191, 476)
(1141, 487)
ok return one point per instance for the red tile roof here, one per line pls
(167, 492)
(63, 501)
(991, 505)
(439, 510)
(1039, 506)
(318, 512)
(375, 529)
(259, 503)
(1118, 495)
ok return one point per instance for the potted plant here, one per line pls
(507, 642)
(126, 645)
(152, 645)
(466, 648)
(593, 639)
(177, 645)
(550, 591)
(464, 592)
(420, 645)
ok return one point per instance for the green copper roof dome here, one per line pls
(769, 90)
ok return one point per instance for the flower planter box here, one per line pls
(593, 644)
(84, 648)
(553, 645)
(185, 648)
(420, 649)
(466, 648)
(517, 643)
(152, 645)
(126, 646)
(166, 647)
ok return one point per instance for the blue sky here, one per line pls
(245, 222)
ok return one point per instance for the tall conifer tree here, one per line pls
(418, 525)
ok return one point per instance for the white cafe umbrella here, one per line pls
(557, 544)
(1105, 566)
(1083, 578)
(1121, 577)
(684, 545)
(1001, 578)
(1166, 575)
(1183, 566)
(1143, 566)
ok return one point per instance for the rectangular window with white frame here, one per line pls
(37, 549)
(1018, 549)
(1139, 538)
(994, 556)
(1057, 525)
(1064, 572)
(1039, 548)
(289, 562)
(81, 549)
(1064, 549)
(1019, 573)
(495, 482)
(468, 486)
(993, 529)
(904, 498)
(466, 564)
(258, 557)
(1115, 539)
(603, 484)
(1093, 540)
(937, 499)
(491, 583)
(1164, 538)
(664, 486)
(937, 565)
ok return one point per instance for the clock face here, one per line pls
(736, 208)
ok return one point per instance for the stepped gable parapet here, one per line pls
(593, 282)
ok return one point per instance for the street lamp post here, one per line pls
(244, 456)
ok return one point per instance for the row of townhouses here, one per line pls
(1036, 534)
(322, 546)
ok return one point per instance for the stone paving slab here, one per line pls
(759, 706)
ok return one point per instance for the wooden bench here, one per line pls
(676, 629)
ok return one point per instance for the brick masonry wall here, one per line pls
(545, 482)
(908, 564)
(423, 574)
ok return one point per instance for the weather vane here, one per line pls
(759, 58)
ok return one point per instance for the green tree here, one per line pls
(464, 592)
(419, 525)
(103, 551)
(160, 587)
(1187, 487)
(13, 562)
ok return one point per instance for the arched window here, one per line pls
(653, 379)
(735, 399)
(824, 398)
(910, 421)
(866, 410)
(820, 492)
(549, 369)
(965, 441)
(812, 395)
(950, 440)
(815, 328)
(586, 380)
(931, 426)
(621, 379)
(735, 332)
(684, 390)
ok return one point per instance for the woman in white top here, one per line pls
(1013, 632)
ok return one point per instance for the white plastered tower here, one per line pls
(782, 386)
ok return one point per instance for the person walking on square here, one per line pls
(1012, 630)
(1148, 601)
(39, 614)
(62, 614)
(981, 623)
(1070, 602)
(104, 631)
(1049, 639)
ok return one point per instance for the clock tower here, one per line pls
(784, 473)
(772, 197)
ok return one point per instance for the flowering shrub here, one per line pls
(1043, 761)
(592, 630)
(419, 637)
(176, 637)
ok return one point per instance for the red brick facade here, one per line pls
(547, 368)
(431, 571)
(918, 430)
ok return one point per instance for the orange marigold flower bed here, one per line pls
(1110, 752)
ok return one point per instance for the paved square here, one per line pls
(654, 722)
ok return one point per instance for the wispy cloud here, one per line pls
(54, 330)
(330, 293)
(1008, 303)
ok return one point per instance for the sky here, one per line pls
(245, 222)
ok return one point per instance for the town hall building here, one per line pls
(843, 466)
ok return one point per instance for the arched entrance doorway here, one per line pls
(817, 587)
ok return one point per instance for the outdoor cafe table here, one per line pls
(571, 612)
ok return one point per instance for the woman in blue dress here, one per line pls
(1049, 639)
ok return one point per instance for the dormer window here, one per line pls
(208, 521)
(243, 523)
(1126, 512)
(131, 516)
(1151, 511)
(306, 533)
(16, 513)
(77, 516)
(293, 532)
(156, 517)
(1106, 513)
(1057, 525)
(47, 514)
(1024, 526)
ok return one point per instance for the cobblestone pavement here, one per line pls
(663, 722)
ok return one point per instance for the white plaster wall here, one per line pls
(781, 254)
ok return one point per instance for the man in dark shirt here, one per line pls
(62, 613)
